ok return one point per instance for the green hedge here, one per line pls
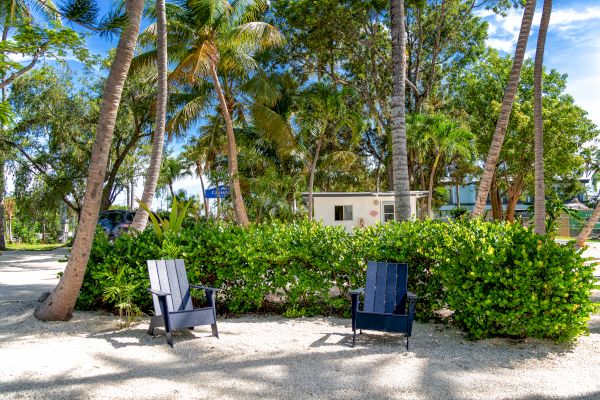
(500, 279)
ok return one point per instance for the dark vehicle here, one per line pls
(114, 222)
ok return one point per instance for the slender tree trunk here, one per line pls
(205, 200)
(59, 305)
(430, 189)
(495, 200)
(589, 227)
(539, 204)
(232, 165)
(505, 111)
(457, 194)
(218, 201)
(141, 216)
(511, 207)
(514, 192)
(399, 152)
(311, 178)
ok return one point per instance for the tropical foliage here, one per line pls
(500, 279)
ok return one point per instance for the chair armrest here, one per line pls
(205, 288)
(357, 291)
(411, 296)
(158, 292)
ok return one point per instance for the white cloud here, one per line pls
(571, 47)
(566, 17)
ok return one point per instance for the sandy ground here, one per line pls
(267, 357)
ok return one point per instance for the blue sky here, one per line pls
(572, 46)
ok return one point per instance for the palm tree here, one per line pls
(538, 69)
(444, 138)
(323, 114)
(507, 103)
(171, 170)
(59, 305)
(215, 40)
(141, 216)
(399, 152)
(203, 150)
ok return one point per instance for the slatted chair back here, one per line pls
(170, 276)
(386, 287)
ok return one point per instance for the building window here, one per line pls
(343, 213)
(388, 212)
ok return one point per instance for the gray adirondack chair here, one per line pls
(172, 301)
(388, 305)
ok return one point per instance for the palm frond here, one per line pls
(197, 62)
(262, 90)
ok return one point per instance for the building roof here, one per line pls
(415, 193)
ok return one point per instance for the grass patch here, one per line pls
(33, 246)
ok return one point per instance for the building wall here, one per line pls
(366, 210)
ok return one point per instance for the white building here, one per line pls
(352, 209)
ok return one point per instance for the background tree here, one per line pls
(215, 40)
(507, 103)
(322, 117)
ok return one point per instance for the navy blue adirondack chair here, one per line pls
(172, 301)
(388, 305)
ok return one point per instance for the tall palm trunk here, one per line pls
(399, 152)
(141, 216)
(430, 189)
(59, 305)
(7, 25)
(507, 103)
(589, 226)
(539, 205)
(232, 165)
(313, 168)
(199, 171)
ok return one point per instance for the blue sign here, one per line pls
(213, 193)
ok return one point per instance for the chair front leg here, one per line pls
(354, 297)
(210, 299)
(162, 302)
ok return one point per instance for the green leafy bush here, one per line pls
(503, 280)
(500, 279)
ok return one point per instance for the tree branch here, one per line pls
(29, 66)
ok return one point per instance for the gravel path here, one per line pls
(267, 357)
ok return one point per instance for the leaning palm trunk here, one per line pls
(238, 202)
(589, 227)
(399, 153)
(507, 103)
(59, 305)
(539, 205)
(141, 216)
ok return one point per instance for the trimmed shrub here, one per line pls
(500, 279)
(503, 280)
